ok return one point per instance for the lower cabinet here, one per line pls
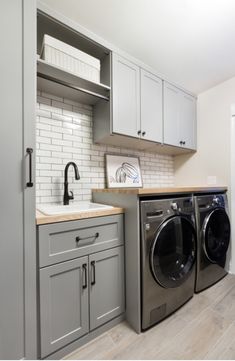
(81, 294)
(106, 286)
(63, 304)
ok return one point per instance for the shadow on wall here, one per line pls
(179, 163)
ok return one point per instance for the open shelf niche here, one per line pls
(58, 81)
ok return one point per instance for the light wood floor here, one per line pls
(202, 329)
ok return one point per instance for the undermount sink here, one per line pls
(56, 209)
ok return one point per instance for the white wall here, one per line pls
(214, 124)
(213, 158)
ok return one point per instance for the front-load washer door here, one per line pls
(173, 252)
(216, 235)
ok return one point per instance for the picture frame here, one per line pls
(123, 171)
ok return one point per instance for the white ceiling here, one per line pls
(191, 42)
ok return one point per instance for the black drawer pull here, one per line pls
(93, 267)
(29, 151)
(84, 267)
(78, 239)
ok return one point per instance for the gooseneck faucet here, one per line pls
(68, 197)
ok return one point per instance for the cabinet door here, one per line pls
(171, 114)
(63, 304)
(188, 121)
(151, 107)
(126, 97)
(106, 286)
(17, 221)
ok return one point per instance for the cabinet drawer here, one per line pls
(60, 242)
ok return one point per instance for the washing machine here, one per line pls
(213, 233)
(168, 255)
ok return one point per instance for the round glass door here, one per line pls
(216, 235)
(173, 252)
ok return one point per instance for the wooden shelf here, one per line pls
(57, 81)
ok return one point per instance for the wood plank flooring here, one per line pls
(204, 328)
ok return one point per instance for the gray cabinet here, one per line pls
(179, 117)
(63, 304)
(146, 111)
(81, 294)
(17, 221)
(137, 101)
(106, 286)
(151, 107)
(58, 241)
(188, 121)
(126, 97)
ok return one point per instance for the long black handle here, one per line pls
(84, 267)
(29, 151)
(93, 266)
(78, 239)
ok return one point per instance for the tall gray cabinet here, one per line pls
(17, 221)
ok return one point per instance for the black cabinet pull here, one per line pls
(29, 151)
(78, 239)
(139, 132)
(93, 267)
(143, 133)
(184, 143)
(84, 267)
(181, 142)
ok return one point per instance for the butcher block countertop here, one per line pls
(162, 191)
(44, 219)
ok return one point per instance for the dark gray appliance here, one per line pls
(168, 254)
(213, 232)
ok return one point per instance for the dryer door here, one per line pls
(173, 252)
(216, 235)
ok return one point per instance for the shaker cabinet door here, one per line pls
(179, 117)
(188, 121)
(63, 304)
(106, 286)
(126, 97)
(171, 114)
(151, 107)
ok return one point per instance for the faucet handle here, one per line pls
(72, 196)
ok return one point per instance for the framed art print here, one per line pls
(123, 171)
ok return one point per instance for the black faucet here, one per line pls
(68, 197)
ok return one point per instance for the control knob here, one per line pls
(174, 206)
(216, 200)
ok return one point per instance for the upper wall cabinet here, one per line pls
(134, 117)
(126, 97)
(137, 101)
(179, 118)
(151, 107)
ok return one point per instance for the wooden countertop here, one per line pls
(43, 219)
(159, 190)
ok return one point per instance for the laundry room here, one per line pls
(120, 179)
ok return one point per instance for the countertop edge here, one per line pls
(163, 191)
(42, 219)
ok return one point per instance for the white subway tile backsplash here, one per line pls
(51, 147)
(62, 142)
(43, 140)
(63, 134)
(48, 134)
